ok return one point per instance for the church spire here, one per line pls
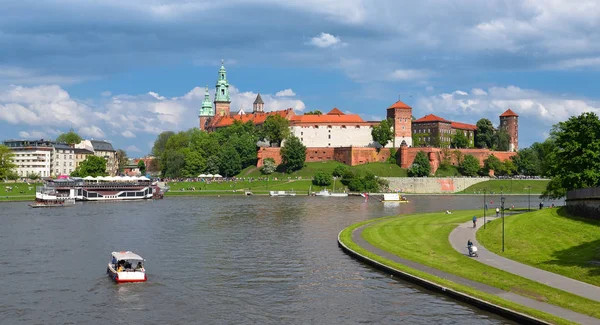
(222, 99)
(207, 108)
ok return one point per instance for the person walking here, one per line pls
(474, 221)
(497, 212)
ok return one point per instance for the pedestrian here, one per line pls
(474, 221)
(497, 212)
(541, 205)
(485, 207)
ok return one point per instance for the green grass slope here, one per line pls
(507, 186)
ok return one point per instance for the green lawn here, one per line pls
(447, 171)
(301, 186)
(378, 168)
(20, 191)
(507, 186)
(401, 236)
(551, 240)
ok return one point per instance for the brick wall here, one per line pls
(436, 155)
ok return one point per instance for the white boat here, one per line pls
(58, 203)
(282, 193)
(394, 197)
(325, 192)
(126, 266)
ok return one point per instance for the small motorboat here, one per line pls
(126, 266)
(394, 197)
(58, 203)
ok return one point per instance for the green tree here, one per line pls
(153, 166)
(458, 155)
(230, 162)
(383, 132)
(544, 152)
(574, 161)
(491, 163)
(315, 112)
(69, 138)
(420, 166)
(160, 144)
(507, 167)
(527, 162)
(194, 163)
(459, 140)
(92, 166)
(484, 134)
(172, 163)
(122, 159)
(322, 178)
(33, 176)
(12, 176)
(212, 165)
(416, 140)
(293, 154)
(340, 170)
(501, 140)
(6, 162)
(142, 167)
(269, 166)
(469, 166)
(275, 129)
(365, 182)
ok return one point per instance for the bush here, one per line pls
(392, 158)
(322, 179)
(269, 166)
(339, 171)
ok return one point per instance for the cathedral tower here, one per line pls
(258, 106)
(509, 121)
(206, 112)
(222, 99)
(401, 114)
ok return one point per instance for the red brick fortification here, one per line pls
(359, 155)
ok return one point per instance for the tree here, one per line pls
(383, 133)
(172, 163)
(459, 140)
(92, 166)
(574, 162)
(6, 162)
(269, 166)
(160, 144)
(507, 168)
(501, 140)
(153, 166)
(544, 152)
(122, 159)
(275, 129)
(491, 163)
(322, 179)
(69, 138)
(420, 166)
(469, 166)
(484, 134)
(142, 167)
(230, 162)
(212, 164)
(458, 155)
(315, 112)
(293, 154)
(340, 170)
(33, 176)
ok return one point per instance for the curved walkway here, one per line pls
(528, 302)
(458, 239)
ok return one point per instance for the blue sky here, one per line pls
(126, 70)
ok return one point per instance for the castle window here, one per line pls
(329, 127)
(316, 126)
(330, 136)
(358, 126)
(301, 133)
(222, 91)
(343, 126)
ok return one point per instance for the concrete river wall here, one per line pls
(584, 202)
(425, 185)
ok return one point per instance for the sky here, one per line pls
(124, 71)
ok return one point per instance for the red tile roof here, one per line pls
(399, 104)
(509, 112)
(431, 118)
(256, 118)
(328, 118)
(463, 126)
(335, 111)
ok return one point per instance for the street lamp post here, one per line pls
(484, 206)
(529, 199)
(502, 198)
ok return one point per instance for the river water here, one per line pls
(213, 260)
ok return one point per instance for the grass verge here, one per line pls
(400, 236)
(381, 169)
(507, 186)
(551, 240)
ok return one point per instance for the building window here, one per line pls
(316, 126)
(329, 126)
(301, 133)
(343, 126)
(329, 136)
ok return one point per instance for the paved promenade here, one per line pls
(465, 231)
(528, 302)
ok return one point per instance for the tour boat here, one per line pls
(58, 203)
(282, 193)
(394, 197)
(325, 192)
(126, 266)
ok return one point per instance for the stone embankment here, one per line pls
(427, 185)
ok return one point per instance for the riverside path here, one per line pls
(528, 302)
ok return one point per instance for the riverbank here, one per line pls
(550, 240)
(405, 237)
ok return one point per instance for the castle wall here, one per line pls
(340, 135)
(432, 185)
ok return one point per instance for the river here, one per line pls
(213, 260)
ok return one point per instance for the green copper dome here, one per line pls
(207, 107)
(222, 91)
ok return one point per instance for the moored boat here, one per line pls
(394, 197)
(58, 203)
(282, 193)
(126, 266)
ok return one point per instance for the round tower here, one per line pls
(509, 121)
(401, 114)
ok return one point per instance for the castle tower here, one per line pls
(401, 114)
(258, 106)
(509, 121)
(206, 112)
(222, 100)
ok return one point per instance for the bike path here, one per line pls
(458, 239)
(528, 302)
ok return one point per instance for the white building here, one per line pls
(31, 156)
(105, 150)
(63, 160)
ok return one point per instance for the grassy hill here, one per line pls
(378, 168)
(507, 186)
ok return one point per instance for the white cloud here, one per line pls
(478, 92)
(25, 76)
(128, 134)
(91, 131)
(545, 108)
(33, 135)
(325, 40)
(106, 93)
(272, 102)
(133, 148)
(409, 74)
(593, 62)
(285, 93)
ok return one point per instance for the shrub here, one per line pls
(269, 166)
(322, 179)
